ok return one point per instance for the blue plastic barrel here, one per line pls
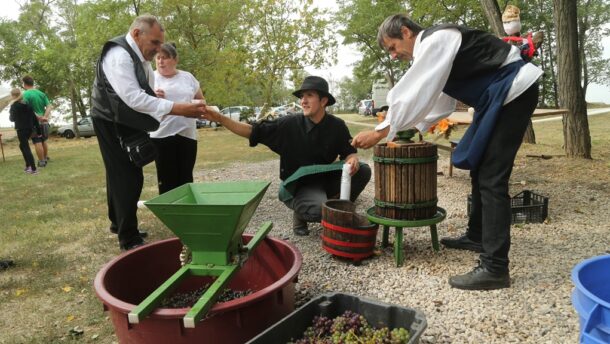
(591, 299)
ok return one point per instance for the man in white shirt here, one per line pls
(124, 104)
(452, 62)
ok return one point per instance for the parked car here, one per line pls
(282, 110)
(85, 128)
(203, 123)
(365, 107)
(234, 112)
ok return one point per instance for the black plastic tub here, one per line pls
(331, 305)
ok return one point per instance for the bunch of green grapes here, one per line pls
(350, 328)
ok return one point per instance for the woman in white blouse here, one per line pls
(176, 138)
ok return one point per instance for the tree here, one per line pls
(282, 37)
(494, 16)
(594, 15)
(352, 90)
(361, 19)
(577, 139)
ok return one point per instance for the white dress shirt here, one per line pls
(417, 100)
(120, 72)
(181, 87)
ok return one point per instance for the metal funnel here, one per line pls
(210, 217)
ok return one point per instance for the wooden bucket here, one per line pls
(405, 180)
(346, 233)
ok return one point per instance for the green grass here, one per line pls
(54, 224)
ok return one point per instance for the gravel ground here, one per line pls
(536, 309)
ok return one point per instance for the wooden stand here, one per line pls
(400, 224)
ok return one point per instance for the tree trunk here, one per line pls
(530, 135)
(577, 139)
(74, 112)
(494, 16)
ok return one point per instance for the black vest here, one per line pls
(480, 52)
(107, 105)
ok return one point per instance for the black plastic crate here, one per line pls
(331, 305)
(526, 207)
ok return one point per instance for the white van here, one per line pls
(379, 96)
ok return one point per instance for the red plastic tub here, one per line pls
(271, 272)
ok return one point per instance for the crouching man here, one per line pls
(308, 145)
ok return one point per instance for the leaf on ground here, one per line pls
(67, 289)
(20, 292)
(70, 318)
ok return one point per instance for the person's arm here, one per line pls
(238, 128)
(199, 95)
(415, 95)
(368, 138)
(11, 116)
(443, 107)
(120, 72)
(47, 112)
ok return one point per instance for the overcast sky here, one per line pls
(346, 57)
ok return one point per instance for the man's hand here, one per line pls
(369, 138)
(352, 159)
(160, 93)
(212, 115)
(193, 110)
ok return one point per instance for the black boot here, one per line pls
(462, 243)
(114, 230)
(480, 279)
(5, 264)
(299, 226)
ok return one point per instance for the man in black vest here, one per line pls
(123, 105)
(453, 62)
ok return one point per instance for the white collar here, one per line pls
(134, 46)
(417, 43)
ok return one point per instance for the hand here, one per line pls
(369, 138)
(352, 159)
(191, 110)
(160, 93)
(212, 114)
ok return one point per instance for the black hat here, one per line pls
(315, 83)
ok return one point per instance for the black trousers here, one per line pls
(176, 160)
(24, 145)
(124, 181)
(490, 217)
(310, 195)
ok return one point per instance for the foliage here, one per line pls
(238, 58)
(283, 37)
(360, 19)
(353, 90)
